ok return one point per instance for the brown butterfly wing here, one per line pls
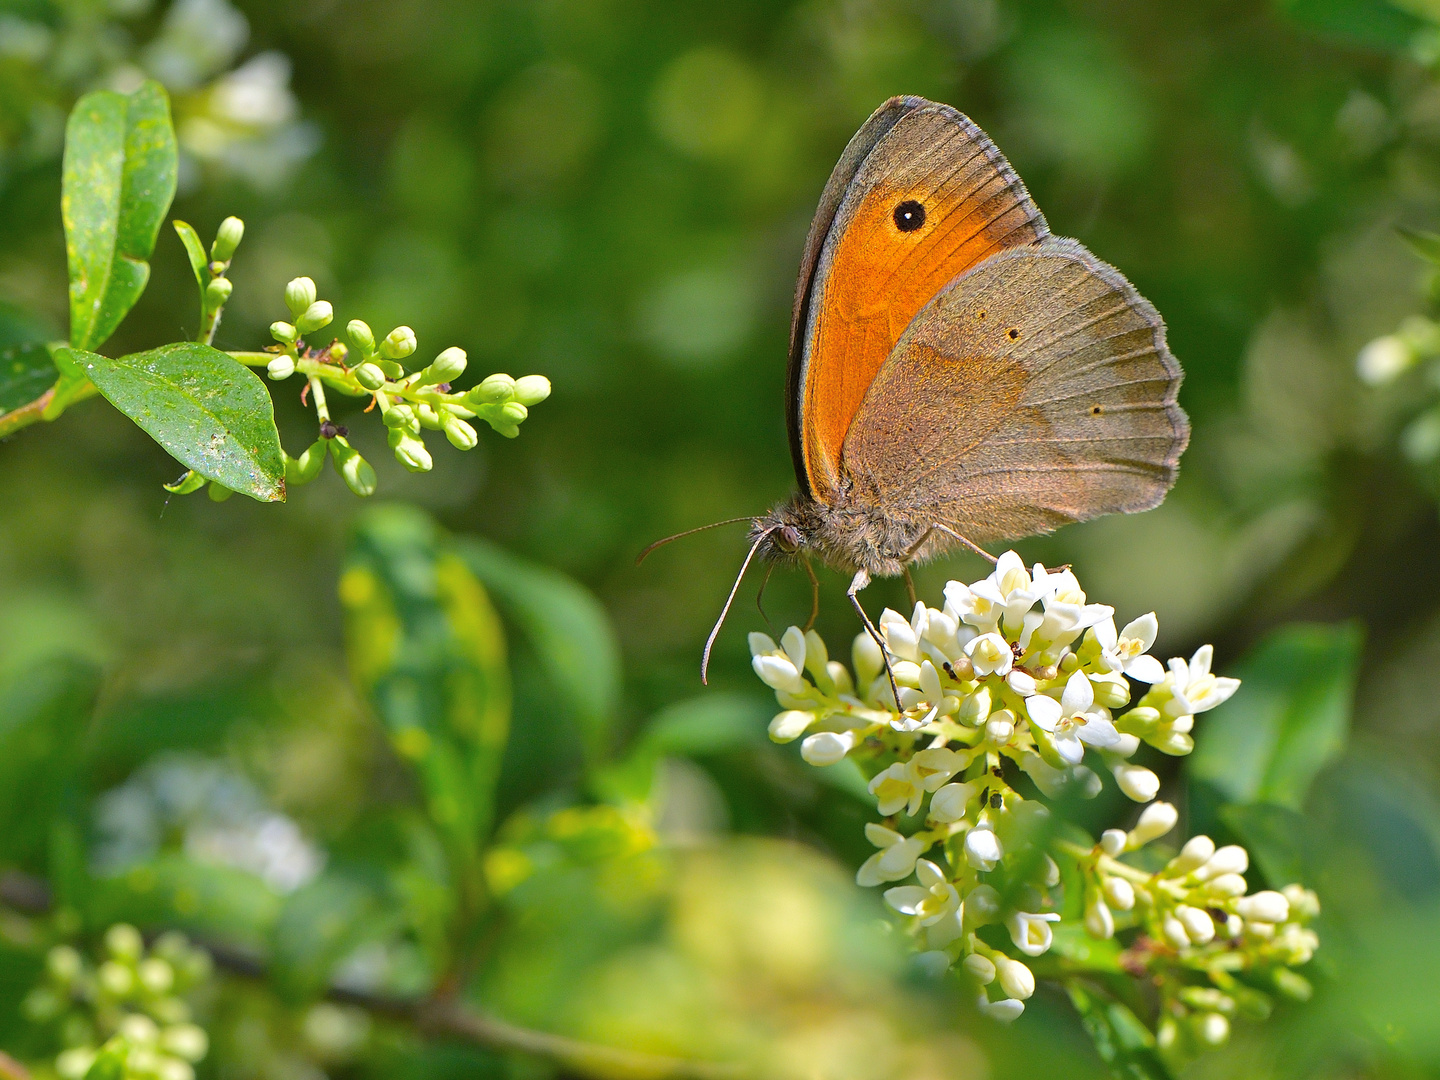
(863, 278)
(1035, 390)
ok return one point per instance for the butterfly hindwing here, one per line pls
(1035, 390)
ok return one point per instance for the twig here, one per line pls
(436, 1017)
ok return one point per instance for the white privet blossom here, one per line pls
(1004, 693)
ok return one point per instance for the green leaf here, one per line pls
(1424, 244)
(711, 724)
(109, 1064)
(569, 630)
(426, 647)
(118, 180)
(1123, 1042)
(1288, 720)
(1373, 23)
(26, 372)
(45, 711)
(196, 251)
(210, 411)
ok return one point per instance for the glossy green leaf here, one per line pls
(1289, 719)
(45, 711)
(426, 648)
(1274, 836)
(1121, 1039)
(569, 630)
(195, 251)
(210, 411)
(26, 372)
(118, 181)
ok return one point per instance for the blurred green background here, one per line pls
(614, 193)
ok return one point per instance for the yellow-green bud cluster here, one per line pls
(128, 1004)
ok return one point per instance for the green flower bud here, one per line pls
(461, 435)
(299, 295)
(217, 292)
(74, 1063)
(338, 352)
(393, 369)
(398, 344)
(370, 376)
(532, 389)
(360, 335)
(307, 466)
(510, 431)
(218, 493)
(185, 1041)
(115, 978)
(447, 367)
(495, 388)
(283, 332)
(428, 417)
(281, 368)
(64, 963)
(358, 474)
(399, 416)
(315, 316)
(156, 975)
(514, 412)
(124, 942)
(411, 453)
(227, 239)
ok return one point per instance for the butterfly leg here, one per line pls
(860, 580)
(937, 527)
(909, 587)
(814, 594)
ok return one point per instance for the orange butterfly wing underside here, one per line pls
(863, 277)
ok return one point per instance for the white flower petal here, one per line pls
(928, 873)
(1045, 712)
(906, 899)
(1078, 696)
(1144, 669)
(1144, 629)
(1097, 730)
(762, 644)
(793, 642)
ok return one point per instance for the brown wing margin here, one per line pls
(854, 155)
(864, 278)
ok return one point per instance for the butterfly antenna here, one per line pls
(814, 594)
(688, 532)
(710, 641)
(760, 598)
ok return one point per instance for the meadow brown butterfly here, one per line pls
(957, 374)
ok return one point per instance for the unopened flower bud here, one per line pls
(1304, 904)
(138, 1029)
(1212, 1029)
(124, 942)
(64, 963)
(217, 292)
(1136, 781)
(1173, 931)
(428, 417)
(1193, 855)
(358, 474)
(1016, 979)
(790, 725)
(299, 295)
(283, 332)
(779, 673)
(1112, 842)
(411, 453)
(399, 416)
(1119, 893)
(369, 376)
(156, 975)
(185, 1041)
(531, 389)
(447, 367)
(1199, 927)
(981, 968)
(307, 466)
(982, 849)
(281, 368)
(318, 314)
(1263, 907)
(218, 492)
(115, 979)
(360, 335)
(1226, 887)
(1156, 820)
(494, 389)
(1231, 859)
(1384, 359)
(398, 344)
(461, 435)
(514, 412)
(227, 239)
(827, 747)
(1099, 921)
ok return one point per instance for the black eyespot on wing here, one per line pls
(1013, 333)
(909, 216)
(1096, 410)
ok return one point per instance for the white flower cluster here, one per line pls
(1018, 674)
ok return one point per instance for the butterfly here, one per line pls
(957, 374)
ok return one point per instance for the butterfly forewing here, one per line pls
(1035, 390)
(920, 196)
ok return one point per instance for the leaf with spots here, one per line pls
(210, 411)
(118, 180)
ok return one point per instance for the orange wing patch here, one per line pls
(932, 199)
